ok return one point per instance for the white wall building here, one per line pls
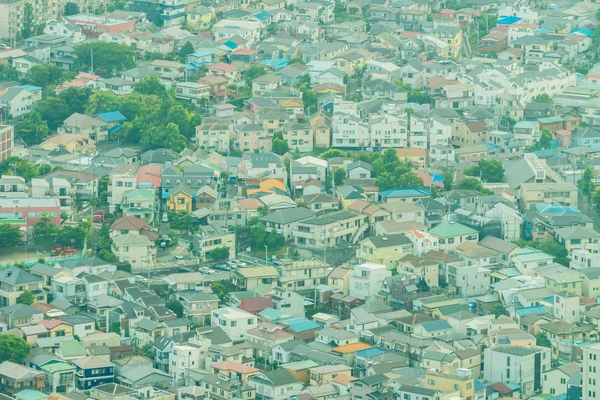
(233, 321)
(366, 280)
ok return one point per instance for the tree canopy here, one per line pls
(10, 236)
(487, 170)
(108, 57)
(13, 348)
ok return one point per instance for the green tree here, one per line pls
(19, 167)
(8, 73)
(176, 307)
(76, 98)
(257, 237)
(115, 327)
(71, 9)
(542, 340)
(32, 129)
(469, 184)
(543, 98)
(585, 183)
(44, 226)
(331, 153)
(280, 146)
(409, 180)
(108, 57)
(498, 310)
(150, 85)
(44, 75)
(27, 21)
(27, 297)
(13, 348)
(159, 137)
(72, 236)
(448, 180)
(255, 71)
(222, 288)
(187, 48)
(339, 176)
(546, 139)
(491, 170)
(219, 254)
(53, 110)
(180, 116)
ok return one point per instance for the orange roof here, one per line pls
(343, 379)
(364, 207)
(250, 204)
(352, 347)
(221, 66)
(52, 323)
(268, 185)
(411, 152)
(235, 367)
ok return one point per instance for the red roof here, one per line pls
(501, 388)
(221, 66)
(254, 305)
(235, 367)
(51, 323)
(245, 52)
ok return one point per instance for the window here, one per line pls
(250, 321)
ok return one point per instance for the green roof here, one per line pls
(296, 366)
(57, 366)
(452, 229)
(139, 194)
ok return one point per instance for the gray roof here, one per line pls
(389, 240)
(278, 377)
(288, 215)
(20, 311)
(15, 276)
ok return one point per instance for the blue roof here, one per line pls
(28, 394)
(541, 31)
(552, 208)
(31, 88)
(562, 396)
(231, 44)
(535, 310)
(545, 153)
(479, 385)
(582, 31)
(372, 352)
(437, 178)
(276, 63)
(201, 53)
(112, 116)
(271, 314)
(300, 324)
(508, 20)
(262, 15)
(405, 192)
(438, 325)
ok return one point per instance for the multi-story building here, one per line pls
(468, 279)
(525, 365)
(135, 249)
(387, 250)
(214, 133)
(25, 212)
(15, 377)
(303, 275)
(451, 381)
(15, 281)
(7, 140)
(329, 230)
(181, 359)
(93, 371)
(590, 368)
(214, 236)
(548, 193)
(366, 280)
(233, 321)
(122, 179)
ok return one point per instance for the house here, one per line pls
(387, 250)
(14, 377)
(330, 229)
(17, 101)
(135, 249)
(532, 194)
(15, 281)
(118, 86)
(510, 360)
(578, 238)
(272, 385)
(359, 169)
(60, 376)
(450, 235)
(249, 278)
(556, 380)
(233, 321)
(366, 280)
(282, 220)
(92, 371)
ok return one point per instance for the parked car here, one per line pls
(179, 258)
(165, 217)
(221, 267)
(206, 270)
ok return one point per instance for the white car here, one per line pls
(206, 270)
(165, 218)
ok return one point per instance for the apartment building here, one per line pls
(366, 280)
(532, 194)
(451, 381)
(387, 250)
(233, 321)
(15, 378)
(329, 230)
(214, 133)
(7, 139)
(525, 365)
(590, 369)
(25, 212)
(303, 275)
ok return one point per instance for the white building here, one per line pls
(467, 279)
(366, 280)
(566, 307)
(181, 359)
(233, 321)
(349, 130)
(387, 131)
(517, 364)
(590, 370)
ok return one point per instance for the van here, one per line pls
(165, 218)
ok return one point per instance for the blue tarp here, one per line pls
(508, 20)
